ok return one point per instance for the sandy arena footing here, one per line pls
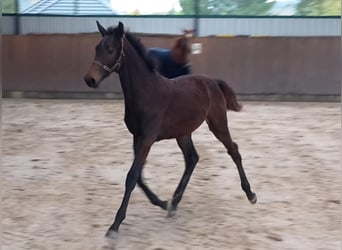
(65, 163)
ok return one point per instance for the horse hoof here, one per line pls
(170, 210)
(253, 200)
(171, 213)
(111, 234)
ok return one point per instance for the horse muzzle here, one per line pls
(91, 82)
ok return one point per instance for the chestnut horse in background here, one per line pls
(157, 108)
(174, 62)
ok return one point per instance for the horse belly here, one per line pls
(183, 117)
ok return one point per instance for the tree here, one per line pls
(253, 7)
(227, 7)
(188, 6)
(318, 7)
(9, 6)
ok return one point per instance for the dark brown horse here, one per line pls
(157, 108)
(174, 62)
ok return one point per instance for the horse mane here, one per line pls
(138, 46)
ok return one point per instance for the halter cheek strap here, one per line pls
(117, 64)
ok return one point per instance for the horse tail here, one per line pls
(229, 94)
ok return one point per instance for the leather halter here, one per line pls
(117, 64)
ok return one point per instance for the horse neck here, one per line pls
(178, 56)
(135, 77)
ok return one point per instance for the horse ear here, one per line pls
(102, 30)
(120, 29)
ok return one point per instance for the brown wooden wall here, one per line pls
(252, 65)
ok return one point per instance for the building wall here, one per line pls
(271, 26)
(274, 65)
(213, 26)
(252, 65)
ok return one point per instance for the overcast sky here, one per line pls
(144, 7)
(158, 6)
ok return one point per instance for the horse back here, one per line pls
(206, 92)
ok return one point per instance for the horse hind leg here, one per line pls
(220, 129)
(191, 158)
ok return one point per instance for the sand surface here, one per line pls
(65, 162)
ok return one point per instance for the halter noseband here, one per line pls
(118, 61)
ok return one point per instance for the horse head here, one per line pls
(108, 54)
(182, 49)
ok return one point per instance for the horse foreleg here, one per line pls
(143, 147)
(191, 158)
(150, 195)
